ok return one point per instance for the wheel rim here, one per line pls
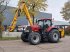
(55, 36)
(35, 38)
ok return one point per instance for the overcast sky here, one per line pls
(54, 7)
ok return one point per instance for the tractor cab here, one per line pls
(44, 23)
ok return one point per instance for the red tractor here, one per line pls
(41, 31)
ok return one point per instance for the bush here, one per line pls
(67, 30)
(1, 30)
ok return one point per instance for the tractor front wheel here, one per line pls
(34, 38)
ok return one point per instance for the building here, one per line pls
(63, 23)
(21, 20)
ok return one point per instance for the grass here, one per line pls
(68, 34)
(9, 38)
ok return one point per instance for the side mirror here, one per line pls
(36, 20)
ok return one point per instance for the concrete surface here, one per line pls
(19, 46)
(11, 34)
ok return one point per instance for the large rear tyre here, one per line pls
(34, 38)
(53, 36)
(24, 38)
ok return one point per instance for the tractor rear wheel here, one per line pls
(53, 36)
(34, 38)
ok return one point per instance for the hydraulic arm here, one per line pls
(21, 8)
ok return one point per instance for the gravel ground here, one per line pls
(19, 46)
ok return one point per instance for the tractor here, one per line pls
(40, 32)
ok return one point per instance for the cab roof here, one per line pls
(45, 19)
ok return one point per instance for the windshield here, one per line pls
(41, 22)
(47, 22)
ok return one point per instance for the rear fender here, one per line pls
(50, 28)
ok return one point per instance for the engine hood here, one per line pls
(35, 27)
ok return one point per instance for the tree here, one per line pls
(66, 11)
(34, 6)
(3, 5)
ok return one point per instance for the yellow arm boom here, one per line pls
(24, 8)
(14, 21)
(27, 13)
